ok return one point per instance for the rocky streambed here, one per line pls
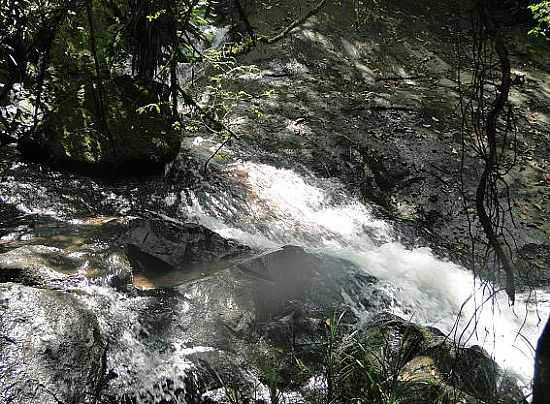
(148, 295)
(117, 325)
(301, 252)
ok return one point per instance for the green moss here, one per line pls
(243, 47)
(77, 131)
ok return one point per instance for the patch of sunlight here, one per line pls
(367, 74)
(318, 38)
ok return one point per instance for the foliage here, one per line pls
(60, 52)
(541, 14)
(391, 361)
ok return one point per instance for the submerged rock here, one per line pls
(282, 290)
(208, 329)
(51, 349)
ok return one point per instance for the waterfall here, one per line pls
(266, 207)
(283, 207)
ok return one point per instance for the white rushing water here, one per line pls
(284, 208)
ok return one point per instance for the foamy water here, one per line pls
(284, 208)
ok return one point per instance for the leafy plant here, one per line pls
(541, 14)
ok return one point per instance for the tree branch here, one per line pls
(296, 23)
(220, 126)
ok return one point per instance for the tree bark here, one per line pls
(541, 380)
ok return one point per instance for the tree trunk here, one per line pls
(541, 380)
(98, 93)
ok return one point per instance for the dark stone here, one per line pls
(8, 213)
(51, 349)
(534, 264)
(424, 356)
(170, 253)
(181, 244)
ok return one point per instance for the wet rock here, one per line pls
(282, 298)
(169, 253)
(291, 276)
(185, 170)
(85, 234)
(8, 213)
(422, 392)
(471, 369)
(285, 289)
(236, 302)
(144, 262)
(216, 321)
(180, 244)
(51, 350)
(468, 372)
(534, 264)
(424, 361)
(38, 265)
(110, 268)
(182, 390)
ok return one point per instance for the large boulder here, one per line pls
(181, 244)
(51, 349)
(129, 131)
(165, 253)
(422, 365)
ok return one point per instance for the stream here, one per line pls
(262, 207)
(285, 209)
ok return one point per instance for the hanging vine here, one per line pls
(489, 130)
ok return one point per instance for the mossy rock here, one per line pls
(422, 364)
(433, 392)
(388, 338)
(132, 133)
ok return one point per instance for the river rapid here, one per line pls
(266, 207)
